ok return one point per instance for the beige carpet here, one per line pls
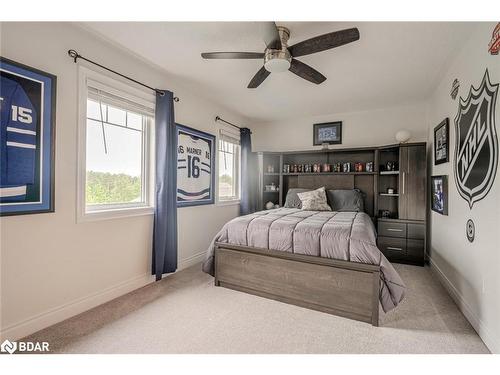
(186, 313)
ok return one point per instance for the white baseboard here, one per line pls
(488, 337)
(190, 261)
(68, 310)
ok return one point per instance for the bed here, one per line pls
(322, 260)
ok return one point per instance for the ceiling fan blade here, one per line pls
(232, 55)
(306, 72)
(271, 35)
(258, 78)
(324, 42)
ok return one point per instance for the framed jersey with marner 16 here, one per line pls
(195, 167)
(27, 134)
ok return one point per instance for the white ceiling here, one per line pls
(392, 63)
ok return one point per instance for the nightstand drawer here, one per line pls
(416, 231)
(415, 249)
(391, 229)
(393, 248)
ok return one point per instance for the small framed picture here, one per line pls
(327, 133)
(439, 191)
(441, 142)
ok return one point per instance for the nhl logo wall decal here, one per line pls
(470, 230)
(494, 44)
(454, 89)
(476, 143)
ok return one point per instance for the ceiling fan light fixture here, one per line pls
(277, 61)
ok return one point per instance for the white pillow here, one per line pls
(314, 200)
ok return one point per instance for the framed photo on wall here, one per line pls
(442, 142)
(327, 133)
(195, 167)
(439, 194)
(27, 139)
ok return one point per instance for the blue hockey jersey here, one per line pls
(18, 119)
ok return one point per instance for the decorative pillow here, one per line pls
(292, 199)
(314, 200)
(346, 200)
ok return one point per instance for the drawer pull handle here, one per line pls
(394, 230)
(394, 248)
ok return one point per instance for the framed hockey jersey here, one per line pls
(195, 167)
(27, 133)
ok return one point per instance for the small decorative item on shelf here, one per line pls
(307, 168)
(269, 205)
(384, 213)
(337, 167)
(271, 187)
(295, 169)
(300, 168)
(270, 169)
(403, 136)
(286, 168)
(369, 166)
(346, 167)
(391, 166)
(316, 168)
(390, 191)
(326, 167)
(358, 167)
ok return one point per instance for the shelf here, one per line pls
(388, 195)
(271, 174)
(271, 191)
(328, 173)
(388, 172)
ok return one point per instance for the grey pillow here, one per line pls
(346, 200)
(292, 199)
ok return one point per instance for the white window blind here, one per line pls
(229, 165)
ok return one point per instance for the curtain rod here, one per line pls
(217, 118)
(75, 56)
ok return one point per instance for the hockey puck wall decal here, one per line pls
(494, 44)
(476, 143)
(470, 230)
(454, 89)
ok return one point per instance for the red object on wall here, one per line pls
(494, 45)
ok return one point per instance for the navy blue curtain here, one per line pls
(165, 220)
(248, 201)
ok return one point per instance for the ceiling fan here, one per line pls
(279, 57)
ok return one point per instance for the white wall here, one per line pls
(52, 267)
(366, 128)
(469, 270)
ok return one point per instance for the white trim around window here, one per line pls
(136, 100)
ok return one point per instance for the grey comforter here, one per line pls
(347, 236)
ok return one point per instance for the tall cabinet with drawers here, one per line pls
(401, 233)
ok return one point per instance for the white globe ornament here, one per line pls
(269, 205)
(403, 136)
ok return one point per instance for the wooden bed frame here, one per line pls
(337, 287)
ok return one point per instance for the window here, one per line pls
(229, 167)
(116, 156)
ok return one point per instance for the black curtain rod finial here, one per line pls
(73, 54)
(218, 118)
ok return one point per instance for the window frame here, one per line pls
(118, 88)
(236, 199)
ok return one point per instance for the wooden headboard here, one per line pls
(365, 183)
